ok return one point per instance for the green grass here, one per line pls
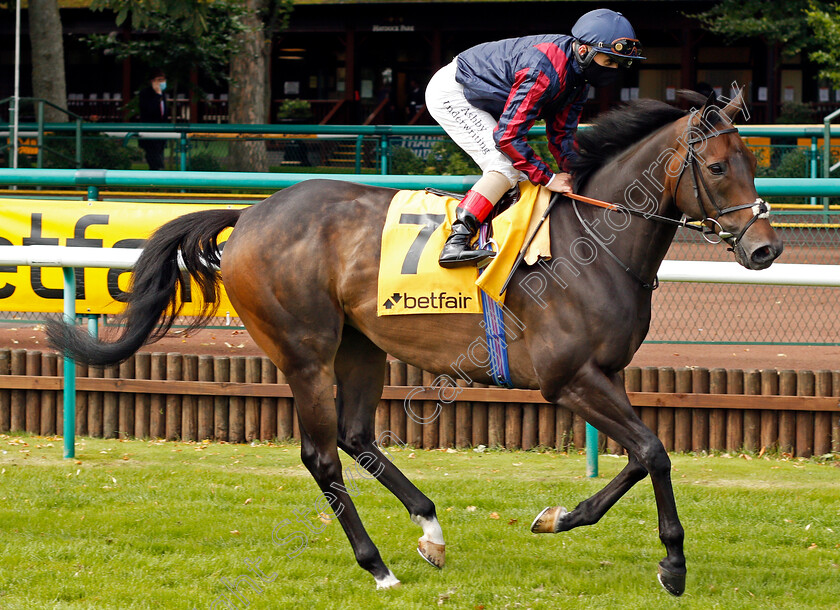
(136, 524)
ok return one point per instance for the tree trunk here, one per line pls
(247, 101)
(774, 82)
(47, 43)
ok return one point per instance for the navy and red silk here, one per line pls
(521, 80)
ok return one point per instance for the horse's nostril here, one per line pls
(762, 255)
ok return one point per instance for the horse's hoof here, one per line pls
(549, 520)
(672, 582)
(435, 554)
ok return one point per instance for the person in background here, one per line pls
(153, 110)
(416, 99)
(489, 97)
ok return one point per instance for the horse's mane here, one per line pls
(616, 130)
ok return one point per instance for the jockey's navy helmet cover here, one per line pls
(608, 32)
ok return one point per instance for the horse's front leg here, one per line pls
(602, 401)
(555, 519)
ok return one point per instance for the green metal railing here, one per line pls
(41, 128)
(95, 179)
(798, 187)
(375, 141)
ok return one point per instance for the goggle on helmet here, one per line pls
(623, 50)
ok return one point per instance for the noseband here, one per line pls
(760, 208)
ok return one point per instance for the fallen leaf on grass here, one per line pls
(248, 501)
(234, 532)
(494, 515)
(470, 509)
(324, 519)
(512, 521)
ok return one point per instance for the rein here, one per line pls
(760, 209)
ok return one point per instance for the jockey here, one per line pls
(490, 95)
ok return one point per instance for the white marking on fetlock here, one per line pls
(387, 582)
(432, 531)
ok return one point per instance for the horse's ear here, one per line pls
(736, 105)
(702, 118)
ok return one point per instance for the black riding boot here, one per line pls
(456, 251)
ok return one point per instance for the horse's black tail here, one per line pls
(152, 304)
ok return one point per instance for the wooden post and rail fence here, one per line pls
(245, 398)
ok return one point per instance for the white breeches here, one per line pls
(470, 128)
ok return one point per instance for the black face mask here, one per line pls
(598, 75)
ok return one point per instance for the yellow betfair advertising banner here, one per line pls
(92, 224)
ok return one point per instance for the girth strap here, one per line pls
(494, 327)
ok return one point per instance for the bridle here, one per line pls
(760, 208)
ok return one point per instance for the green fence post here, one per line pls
(183, 142)
(40, 162)
(69, 367)
(12, 132)
(383, 155)
(78, 143)
(591, 451)
(359, 139)
(93, 193)
(813, 165)
(93, 325)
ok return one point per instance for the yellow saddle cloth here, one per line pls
(418, 223)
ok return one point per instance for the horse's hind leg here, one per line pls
(306, 356)
(602, 401)
(313, 392)
(359, 366)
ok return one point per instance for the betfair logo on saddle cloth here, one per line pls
(418, 223)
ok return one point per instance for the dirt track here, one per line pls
(239, 343)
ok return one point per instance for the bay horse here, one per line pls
(301, 271)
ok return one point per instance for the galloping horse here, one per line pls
(301, 270)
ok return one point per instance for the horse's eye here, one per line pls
(716, 168)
